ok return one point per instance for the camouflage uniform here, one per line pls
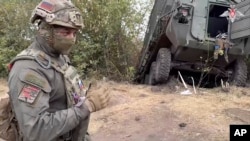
(46, 115)
(222, 45)
(37, 91)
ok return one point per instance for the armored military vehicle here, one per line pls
(182, 35)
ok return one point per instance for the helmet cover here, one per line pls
(58, 12)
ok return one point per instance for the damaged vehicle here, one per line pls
(203, 36)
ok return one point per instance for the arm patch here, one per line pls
(33, 78)
(29, 94)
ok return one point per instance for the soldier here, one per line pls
(222, 45)
(46, 93)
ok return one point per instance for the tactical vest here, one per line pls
(73, 84)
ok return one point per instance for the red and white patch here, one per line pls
(29, 94)
(46, 6)
(232, 13)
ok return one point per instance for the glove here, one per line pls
(97, 99)
(79, 101)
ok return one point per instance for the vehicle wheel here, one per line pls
(239, 76)
(163, 62)
(151, 79)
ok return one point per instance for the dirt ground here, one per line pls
(162, 113)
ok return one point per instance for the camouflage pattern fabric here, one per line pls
(39, 97)
(61, 12)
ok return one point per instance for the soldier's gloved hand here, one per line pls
(81, 108)
(97, 99)
(79, 101)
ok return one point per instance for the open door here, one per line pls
(240, 28)
(215, 23)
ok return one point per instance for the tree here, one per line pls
(14, 31)
(109, 42)
(107, 46)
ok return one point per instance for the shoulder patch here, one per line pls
(29, 94)
(35, 79)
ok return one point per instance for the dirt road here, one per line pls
(161, 113)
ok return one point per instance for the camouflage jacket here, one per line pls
(39, 100)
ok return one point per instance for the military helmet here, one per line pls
(58, 12)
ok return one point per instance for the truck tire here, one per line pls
(240, 73)
(163, 62)
(151, 79)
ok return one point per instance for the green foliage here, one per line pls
(107, 46)
(13, 26)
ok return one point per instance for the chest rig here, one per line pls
(72, 82)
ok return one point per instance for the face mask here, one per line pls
(62, 44)
(56, 38)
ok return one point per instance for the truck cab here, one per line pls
(189, 35)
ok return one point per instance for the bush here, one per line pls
(106, 47)
(14, 27)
